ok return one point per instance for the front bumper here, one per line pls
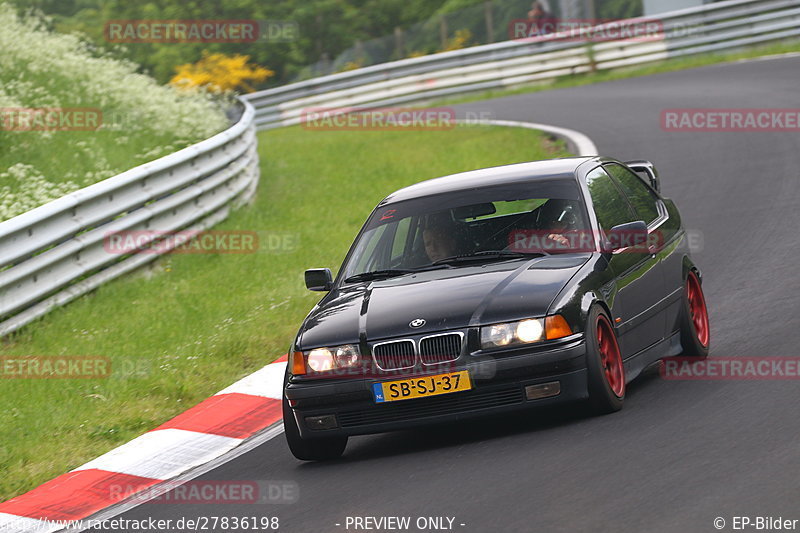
(498, 378)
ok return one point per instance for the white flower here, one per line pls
(43, 69)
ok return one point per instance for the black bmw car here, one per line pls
(491, 291)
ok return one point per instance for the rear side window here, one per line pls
(640, 196)
(610, 205)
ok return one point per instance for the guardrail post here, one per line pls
(590, 54)
(399, 43)
(487, 10)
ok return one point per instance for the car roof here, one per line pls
(563, 168)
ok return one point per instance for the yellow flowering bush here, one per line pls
(220, 73)
(352, 65)
(460, 40)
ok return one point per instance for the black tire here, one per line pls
(692, 338)
(605, 371)
(318, 449)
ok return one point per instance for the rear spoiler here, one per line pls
(647, 168)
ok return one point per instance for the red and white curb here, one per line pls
(194, 438)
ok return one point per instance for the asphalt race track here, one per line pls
(681, 453)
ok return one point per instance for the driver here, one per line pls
(441, 236)
(564, 220)
(439, 243)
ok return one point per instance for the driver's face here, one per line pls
(438, 244)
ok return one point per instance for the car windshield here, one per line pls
(463, 227)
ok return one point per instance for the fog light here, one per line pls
(322, 422)
(545, 390)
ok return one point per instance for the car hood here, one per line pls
(446, 299)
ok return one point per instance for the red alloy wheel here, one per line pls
(697, 307)
(610, 357)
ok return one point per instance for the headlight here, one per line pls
(347, 356)
(497, 335)
(327, 359)
(320, 359)
(524, 332)
(530, 330)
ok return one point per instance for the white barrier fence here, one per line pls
(722, 26)
(56, 252)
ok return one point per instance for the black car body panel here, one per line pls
(452, 299)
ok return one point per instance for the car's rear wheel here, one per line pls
(317, 449)
(606, 373)
(695, 330)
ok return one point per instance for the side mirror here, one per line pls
(647, 168)
(319, 279)
(630, 235)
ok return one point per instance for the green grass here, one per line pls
(669, 65)
(196, 323)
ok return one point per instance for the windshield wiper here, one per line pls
(376, 274)
(390, 273)
(488, 254)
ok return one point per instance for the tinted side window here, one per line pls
(642, 199)
(610, 206)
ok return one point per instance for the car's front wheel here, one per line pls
(318, 449)
(606, 372)
(695, 330)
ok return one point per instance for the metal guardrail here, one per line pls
(55, 253)
(721, 26)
